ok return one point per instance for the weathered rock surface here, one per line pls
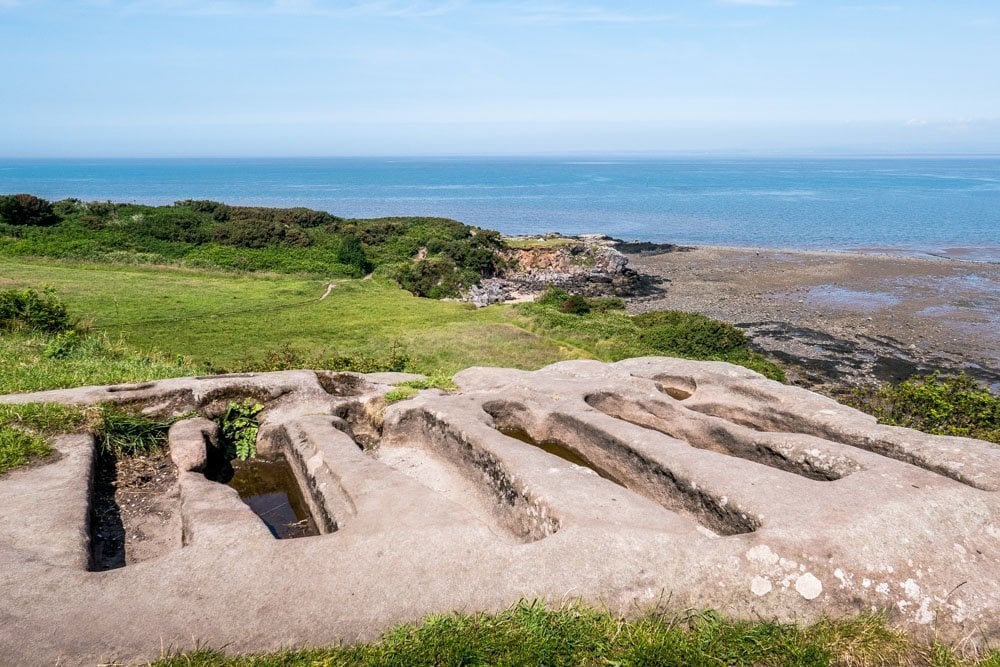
(697, 483)
(589, 264)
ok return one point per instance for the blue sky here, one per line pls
(326, 77)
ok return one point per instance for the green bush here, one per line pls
(352, 253)
(688, 334)
(940, 405)
(435, 278)
(575, 305)
(24, 209)
(208, 234)
(31, 310)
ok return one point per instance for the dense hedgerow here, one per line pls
(433, 257)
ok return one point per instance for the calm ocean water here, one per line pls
(921, 205)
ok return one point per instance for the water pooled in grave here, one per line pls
(557, 449)
(270, 489)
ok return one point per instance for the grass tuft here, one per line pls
(399, 394)
(437, 380)
(18, 448)
(25, 429)
(123, 434)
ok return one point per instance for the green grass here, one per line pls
(539, 242)
(25, 428)
(96, 360)
(530, 634)
(399, 394)
(432, 381)
(123, 433)
(18, 448)
(221, 320)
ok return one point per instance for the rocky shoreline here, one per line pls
(832, 319)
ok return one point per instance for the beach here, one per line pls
(840, 318)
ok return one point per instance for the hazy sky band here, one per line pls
(315, 77)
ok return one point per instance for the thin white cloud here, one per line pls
(759, 3)
(533, 12)
(376, 8)
(514, 11)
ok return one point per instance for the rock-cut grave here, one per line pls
(648, 482)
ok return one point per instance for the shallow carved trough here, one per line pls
(648, 481)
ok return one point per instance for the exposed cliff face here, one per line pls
(575, 258)
(589, 265)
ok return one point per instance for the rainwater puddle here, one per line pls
(270, 489)
(557, 449)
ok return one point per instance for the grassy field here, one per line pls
(221, 321)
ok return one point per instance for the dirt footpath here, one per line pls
(838, 318)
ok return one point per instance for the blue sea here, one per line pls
(947, 206)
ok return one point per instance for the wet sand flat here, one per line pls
(885, 316)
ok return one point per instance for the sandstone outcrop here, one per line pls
(648, 481)
(588, 264)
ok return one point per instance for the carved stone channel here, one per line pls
(626, 484)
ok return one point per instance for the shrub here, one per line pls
(609, 333)
(434, 278)
(352, 253)
(688, 334)
(26, 209)
(575, 305)
(564, 302)
(934, 404)
(62, 345)
(33, 310)
(606, 304)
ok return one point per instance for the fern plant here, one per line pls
(239, 427)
